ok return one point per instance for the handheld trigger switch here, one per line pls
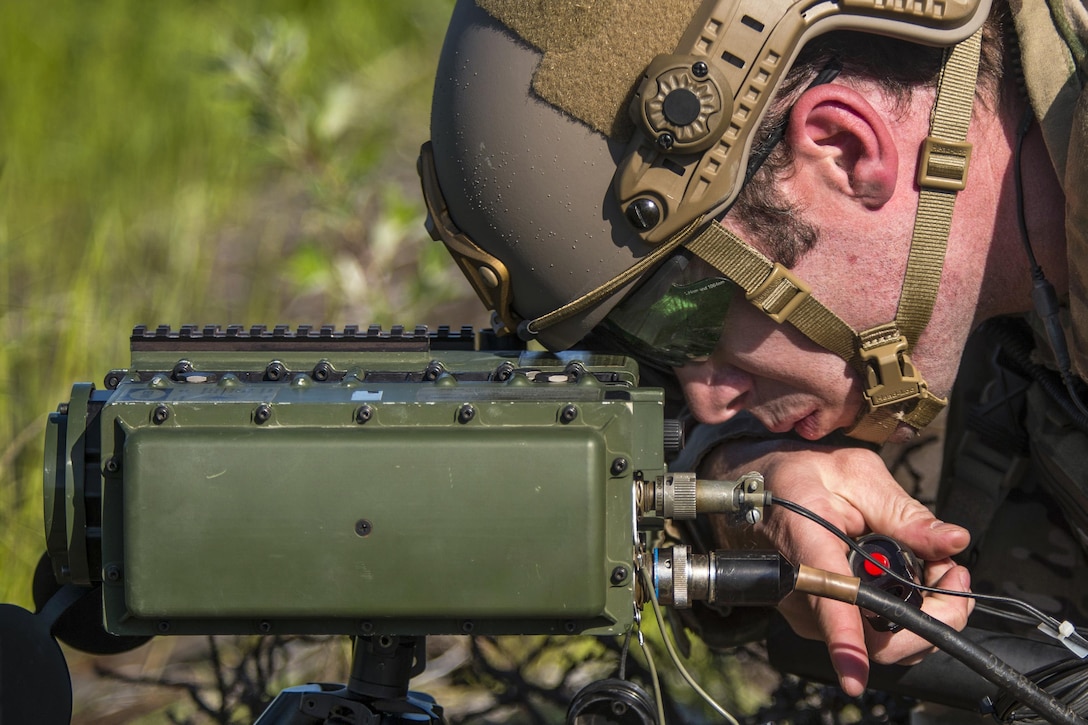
(896, 558)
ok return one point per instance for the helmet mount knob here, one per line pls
(643, 213)
(681, 107)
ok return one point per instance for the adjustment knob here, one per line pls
(681, 107)
(674, 435)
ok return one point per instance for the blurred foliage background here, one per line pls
(200, 161)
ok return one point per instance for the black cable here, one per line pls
(1019, 350)
(1007, 601)
(977, 658)
(1067, 680)
(1043, 296)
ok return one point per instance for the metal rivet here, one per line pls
(488, 276)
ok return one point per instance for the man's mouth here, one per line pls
(808, 427)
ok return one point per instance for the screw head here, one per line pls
(665, 141)
(643, 214)
(112, 466)
(568, 414)
(619, 575)
(699, 69)
(363, 414)
(275, 371)
(262, 414)
(181, 369)
(160, 414)
(363, 527)
(619, 466)
(466, 413)
(321, 372)
(113, 573)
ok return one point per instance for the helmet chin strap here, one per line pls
(894, 391)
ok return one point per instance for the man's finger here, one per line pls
(892, 511)
(842, 630)
(907, 648)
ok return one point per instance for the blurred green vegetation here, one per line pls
(199, 161)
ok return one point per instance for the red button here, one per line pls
(872, 569)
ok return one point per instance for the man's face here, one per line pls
(774, 371)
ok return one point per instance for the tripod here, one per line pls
(376, 692)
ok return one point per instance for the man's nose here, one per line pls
(715, 391)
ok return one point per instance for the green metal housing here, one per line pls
(353, 484)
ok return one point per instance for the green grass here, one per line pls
(194, 162)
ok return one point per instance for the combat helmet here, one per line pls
(582, 150)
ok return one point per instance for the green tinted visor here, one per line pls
(675, 317)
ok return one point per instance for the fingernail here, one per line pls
(852, 686)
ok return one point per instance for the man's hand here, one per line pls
(851, 488)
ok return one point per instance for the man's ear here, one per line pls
(835, 128)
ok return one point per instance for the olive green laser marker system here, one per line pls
(381, 484)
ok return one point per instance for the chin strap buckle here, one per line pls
(890, 376)
(894, 391)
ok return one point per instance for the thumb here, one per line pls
(891, 511)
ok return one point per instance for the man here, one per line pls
(567, 219)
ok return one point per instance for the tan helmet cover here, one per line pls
(528, 183)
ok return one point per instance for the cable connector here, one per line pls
(741, 578)
(682, 497)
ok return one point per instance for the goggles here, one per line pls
(675, 317)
